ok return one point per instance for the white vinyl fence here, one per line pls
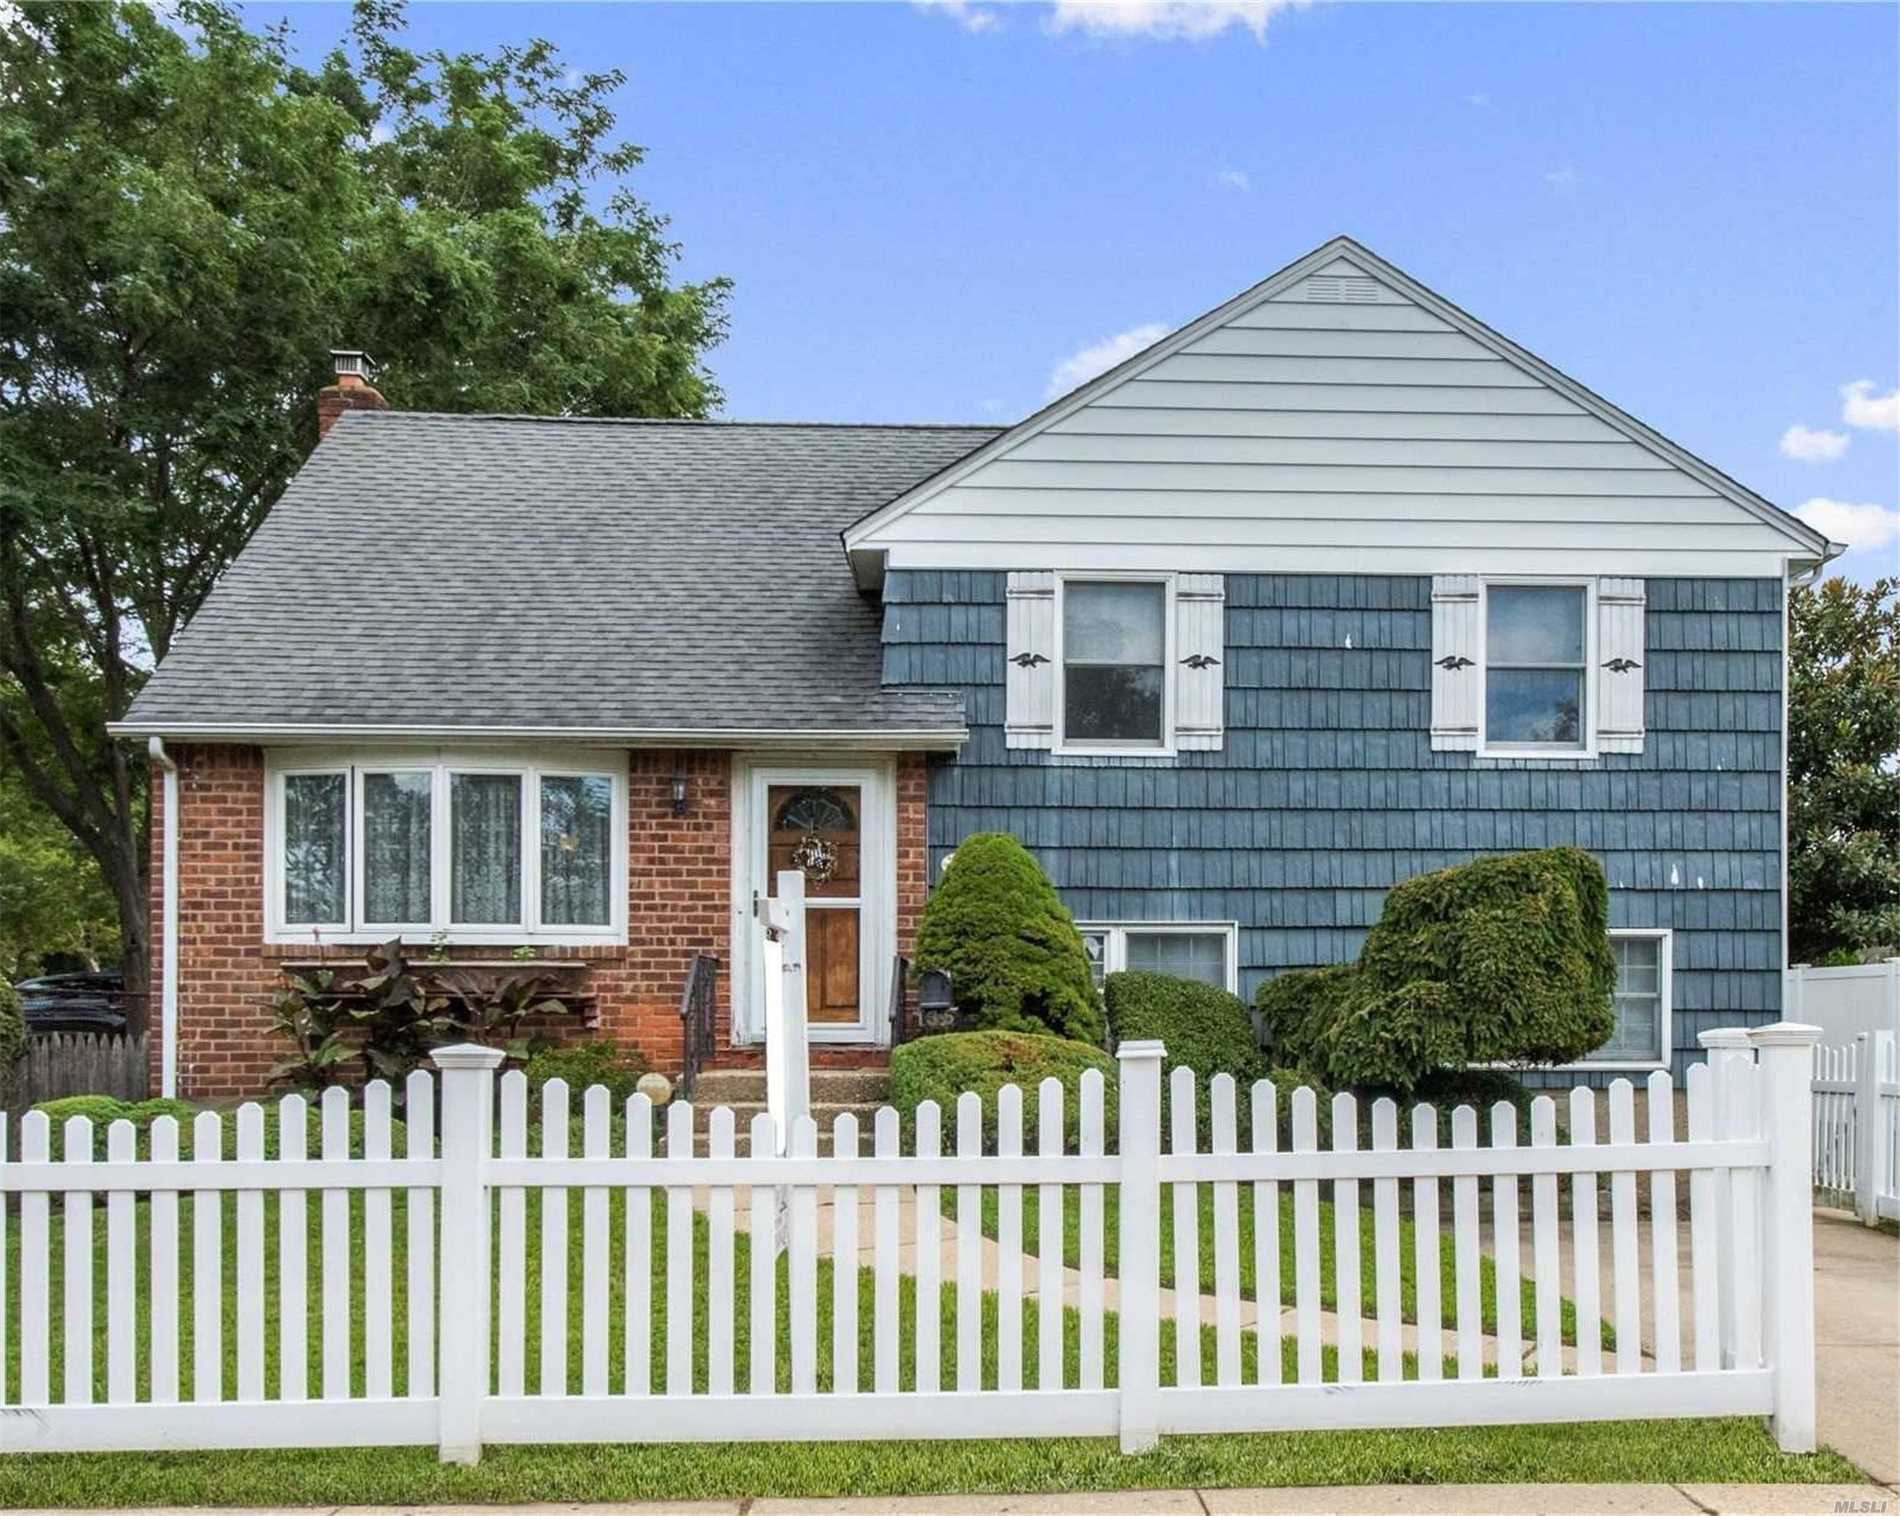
(1846, 1001)
(1857, 1126)
(281, 1299)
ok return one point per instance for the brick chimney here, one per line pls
(352, 390)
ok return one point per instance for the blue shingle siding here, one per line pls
(1327, 791)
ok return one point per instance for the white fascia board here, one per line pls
(1265, 558)
(840, 740)
(860, 537)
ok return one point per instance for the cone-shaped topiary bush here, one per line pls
(1010, 946)
(1501, 960)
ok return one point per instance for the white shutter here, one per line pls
(1621, 654)
(1029, 675)
(1200, 661)
(1457, 662)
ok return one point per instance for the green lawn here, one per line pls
(1738, 1450)
(1328, 1278)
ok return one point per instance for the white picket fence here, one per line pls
(1857, 1125)
(408, 1302)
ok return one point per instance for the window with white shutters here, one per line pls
(1537, 668)
(1115, 664)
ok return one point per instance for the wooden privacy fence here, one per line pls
(495, 1287)
(58, 1064)
(1857, 1125)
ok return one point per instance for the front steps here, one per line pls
(859, 1091)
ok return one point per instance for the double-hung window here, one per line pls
(1204, 951)
(1537, 668)
(1115, 689)
(483, 848)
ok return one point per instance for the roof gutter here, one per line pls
(854, 739)
(168, 950)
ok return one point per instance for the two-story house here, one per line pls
(1332, 586)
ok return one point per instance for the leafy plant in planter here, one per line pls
(309, 1014)
(489, 1007)
(403, 1014)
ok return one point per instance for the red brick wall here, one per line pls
(679, 903)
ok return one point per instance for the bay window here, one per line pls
(491, 848)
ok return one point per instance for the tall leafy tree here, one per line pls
(1844, 769)
(188, 221)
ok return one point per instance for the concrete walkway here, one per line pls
(1857, 1312)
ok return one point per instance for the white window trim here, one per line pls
(532, 765)
(1665, 1033)
(1588, 716)
(1115, 945)
(1063, 747)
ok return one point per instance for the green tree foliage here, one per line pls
(188, 221)
(12, 1025)
(1501, 960)
(1014, 957)
(55, 911)
(1843, 769)
(1203, 1028)
(942, 1068)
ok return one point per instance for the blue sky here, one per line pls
(928, 210)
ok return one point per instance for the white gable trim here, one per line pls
(860, 539)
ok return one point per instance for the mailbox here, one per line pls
(933, 991)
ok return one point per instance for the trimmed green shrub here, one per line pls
(583, 1065)
(942, 1068)
(1203, 1028)
(1501, 960)
(1015, 960)
(1285, 1082)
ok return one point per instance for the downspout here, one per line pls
(168, 942)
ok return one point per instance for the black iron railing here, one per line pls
(697, 1002)
(900, 983)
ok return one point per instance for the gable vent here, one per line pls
(1337, 289)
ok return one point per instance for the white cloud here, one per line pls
(1164, 20)
(1233, 179)
(1859, 526)
(1098, 358)
(1561, 176)
(1810, 446)
(1860, 406)
(972, 18)
(1480, 100)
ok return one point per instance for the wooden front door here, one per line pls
(836, 824)
(819, 828)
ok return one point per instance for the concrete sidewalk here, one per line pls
(1347, 1500)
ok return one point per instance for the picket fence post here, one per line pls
(468, 1098)
(1139, 1345)
(1729, 1051)
(1870, 1147)
(1786, 1051)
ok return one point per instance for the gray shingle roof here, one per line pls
(490, 572)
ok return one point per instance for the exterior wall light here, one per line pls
(679, 793)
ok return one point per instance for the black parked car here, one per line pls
(74, 1002)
